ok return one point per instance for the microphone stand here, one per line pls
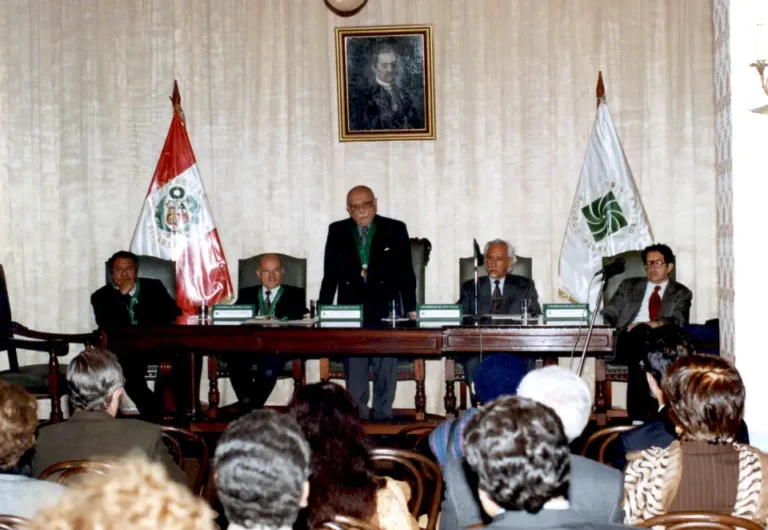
(592, 323)
(476, 294)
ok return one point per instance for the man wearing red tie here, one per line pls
(640, 304)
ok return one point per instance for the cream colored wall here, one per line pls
(83, 96)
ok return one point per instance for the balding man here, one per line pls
(368, 260)
(254, 382)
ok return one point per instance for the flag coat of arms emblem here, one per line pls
(176, 223)
(607, 216)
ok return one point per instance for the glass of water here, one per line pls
(525, 311)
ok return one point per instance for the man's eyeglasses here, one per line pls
(357, 208)
(655, 264)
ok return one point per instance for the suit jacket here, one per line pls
(90, 435)
(155, 306)
(595, 493)
(550, 519)
(291, 305)
(624, 305)
(390, 271)
(516, 288)
(659, 432)
(24, 497)
(372, 108)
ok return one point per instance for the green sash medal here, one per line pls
(272, 303)
(364, 251)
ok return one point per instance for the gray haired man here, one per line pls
(262, 471)
(498, 293)
(96, 382)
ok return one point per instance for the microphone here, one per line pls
(612, 269)
(478, 255)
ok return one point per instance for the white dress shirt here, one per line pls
(643, 315)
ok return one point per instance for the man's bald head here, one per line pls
(361, 205)
(270, 271)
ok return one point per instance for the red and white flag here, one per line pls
(176, 223)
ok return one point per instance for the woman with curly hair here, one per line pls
(19, 494)
(342, 476)
(705, 469)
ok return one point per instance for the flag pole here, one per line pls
(600, 90)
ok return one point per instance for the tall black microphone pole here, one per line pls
(478, 257)
(616, 267)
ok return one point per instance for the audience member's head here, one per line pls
(95, 380)
(564, 392)
(262, 470)
(18, 421)
(498, 375)
(663, 347)
(343, 480)
(136, 494)
(705, 395)
(520, 453)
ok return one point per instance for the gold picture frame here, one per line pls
(386, 87)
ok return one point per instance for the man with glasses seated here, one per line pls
(368, 260)
(641, 304)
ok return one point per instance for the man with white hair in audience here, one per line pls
(595, 490)
(96, 381)
(262, 471)
(498, 293)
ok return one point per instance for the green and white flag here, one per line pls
(607, 216)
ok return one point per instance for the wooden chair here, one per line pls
(40, 380)
(12, 522)
(63, 471)
(413, 437)
(407, 369)
(344, 522)
(603, 437)
(175, 438)
(699, 520)
(421, 473)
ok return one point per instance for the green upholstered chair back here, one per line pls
(633, 268)
(522, 267)
(295, 271)
(420, 250)
(154, 269)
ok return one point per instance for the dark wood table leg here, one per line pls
(325, 370)
(166, 382)
(53, 388)
(213, 388)
(298, 375)
(450, 392)
(421, 394)
(600, 397)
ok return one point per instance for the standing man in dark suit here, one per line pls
(640, 304)
(254, 381)
(498, 293)
(129, 301)
(368, 260)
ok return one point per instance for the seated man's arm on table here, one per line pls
(168, 309)
(110, 308)
(533, 296)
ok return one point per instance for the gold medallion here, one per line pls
(364, 271)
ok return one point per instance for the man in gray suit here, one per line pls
(638, 305)
(498, 293)
(519, 451)
(594, 490)
(96, 381)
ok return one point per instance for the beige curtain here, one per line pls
(84, 109)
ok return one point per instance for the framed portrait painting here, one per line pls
(385, 83)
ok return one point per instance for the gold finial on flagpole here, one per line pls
(176, 100)
(600, 91)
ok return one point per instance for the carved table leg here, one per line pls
(297, 366)
(600, 399)
(421, 395)
(213, 388)
(53, 388)
(165, 379)
(450, 393)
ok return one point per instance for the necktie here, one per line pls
(654, 303)
(267, 303)
(363, 235)
(496, 299)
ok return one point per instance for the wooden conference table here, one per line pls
(164, 344)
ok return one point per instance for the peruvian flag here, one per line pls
(176, 223)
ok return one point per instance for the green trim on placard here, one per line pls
(233, 312)
(445, 311)
(340, 312)
(569, 312)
